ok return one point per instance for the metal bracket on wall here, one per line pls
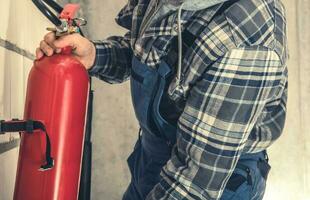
(7, 146)
(13, 47)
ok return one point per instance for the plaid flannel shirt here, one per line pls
(234, 80)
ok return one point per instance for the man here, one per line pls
(209, 89)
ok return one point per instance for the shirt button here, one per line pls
(138, 47)
(176, 27)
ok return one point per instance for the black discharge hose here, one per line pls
(40, 4)
(54, 5)
(47, 12)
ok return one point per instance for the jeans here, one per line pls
(248, 181)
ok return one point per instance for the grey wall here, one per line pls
(115, 127)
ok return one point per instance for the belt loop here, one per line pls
(247, 170)
(266, 156)
(249, 176)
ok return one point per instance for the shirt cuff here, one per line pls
(100, 62)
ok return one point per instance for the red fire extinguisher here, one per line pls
(55, 115)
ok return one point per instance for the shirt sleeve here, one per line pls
(221, 110)
(113, 59)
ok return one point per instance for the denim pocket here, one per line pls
(240, 184)
(238, 188)
(235, 181)
(263, 169)
(243, 193)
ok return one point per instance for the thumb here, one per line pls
(64, 41)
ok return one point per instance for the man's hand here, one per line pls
(83, 49)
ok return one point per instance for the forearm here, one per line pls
(113, 59)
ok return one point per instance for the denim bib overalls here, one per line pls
(157, 116)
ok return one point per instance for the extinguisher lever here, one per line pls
(29, 126)
(65, 21)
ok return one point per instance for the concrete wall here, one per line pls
(290, 176)
(115, 128)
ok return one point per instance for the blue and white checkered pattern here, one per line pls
(234, 81)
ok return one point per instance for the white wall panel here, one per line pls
(303, 7)
(11, 88)
(4, 13)
(15, 63)
(7, 174)
(22, 25)
(5, 92)
(5, 83)
(2, 85)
